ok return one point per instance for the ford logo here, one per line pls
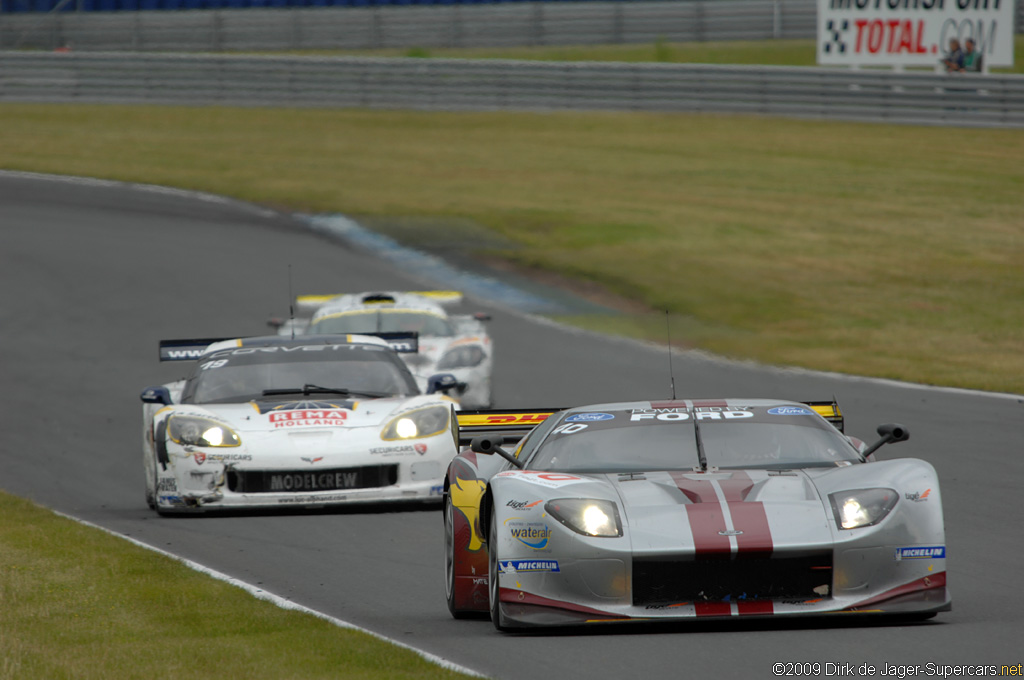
(588, 417)
(790, 411)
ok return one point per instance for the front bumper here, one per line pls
(585, 591)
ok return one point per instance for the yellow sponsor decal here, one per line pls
(827, 410)
(314, 299)
(492, 419)
(466, 495)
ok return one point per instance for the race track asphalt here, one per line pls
(93, 275)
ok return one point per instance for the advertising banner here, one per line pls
(912, 32)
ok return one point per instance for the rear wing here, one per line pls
(511, 423)
(307, 304)
(403, 342)
(186, 350)
(829, 410)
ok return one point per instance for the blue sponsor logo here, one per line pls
(588, 417)
(532, 535)
(509, 566)
(790, 411)
(928, 553)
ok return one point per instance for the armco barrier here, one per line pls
(452, 84)
(422, 26)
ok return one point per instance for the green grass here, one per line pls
(79, 603)
(766, 52)
(884, 250)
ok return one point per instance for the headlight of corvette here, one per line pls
(462, 357)
(425, 422)
(862, 507)
(587, 517)
(195, 431)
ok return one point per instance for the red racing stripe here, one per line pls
(752, 607)
(748, 517)
(705, 516)
(713, 608)
(678, 403)
(710, 403)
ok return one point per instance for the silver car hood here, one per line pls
(733, 511)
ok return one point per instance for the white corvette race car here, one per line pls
(313, 421)
(456, 344)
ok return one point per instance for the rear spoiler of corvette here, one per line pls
(193, 348)
(309, 303)
(186, 350)
(512, 423)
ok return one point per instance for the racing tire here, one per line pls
(494, 576)
(449, 559)
(151, 489)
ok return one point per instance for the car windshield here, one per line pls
(640, 440)
(247, 373)
(382, 321)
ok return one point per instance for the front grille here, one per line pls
(305, 481)
(674, 580)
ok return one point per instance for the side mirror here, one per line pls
(156, 395)
(488, 444)
(444, 383)
(890, 433)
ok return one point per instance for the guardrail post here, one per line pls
(376, 30)
(455, 36)
(538, 23)
(617, 23)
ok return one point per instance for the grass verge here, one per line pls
(893, 251)
(78, 603)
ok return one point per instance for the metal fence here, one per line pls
(452, 84)
(457, 25)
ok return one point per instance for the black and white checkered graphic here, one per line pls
(835, 36)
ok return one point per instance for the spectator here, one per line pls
(954, 59)
(972, 57)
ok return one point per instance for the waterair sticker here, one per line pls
(514, 566)
(928, 553)
(588, 417)
(533, 535)
(790, 411)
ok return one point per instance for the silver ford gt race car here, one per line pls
(680, 509)
(452, 343)
(273, 422)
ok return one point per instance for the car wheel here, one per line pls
(151, 487)
(494, 575)
(449, 558)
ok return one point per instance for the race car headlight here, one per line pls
(586, 516)
(195, 431)
(425, 422)
(462, 357)
(862, 507)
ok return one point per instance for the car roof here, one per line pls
(302, 340)
(358, 302)
(723, 403)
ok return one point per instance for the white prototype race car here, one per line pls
(451, 343)
(271, 422)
